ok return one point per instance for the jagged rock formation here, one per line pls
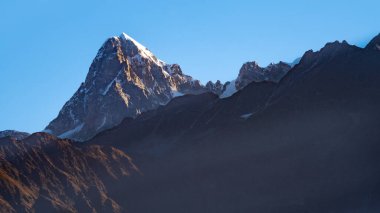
(124, 80)
(252, 72)
(216, 88)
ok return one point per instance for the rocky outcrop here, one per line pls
(252, 72)
(216, 88)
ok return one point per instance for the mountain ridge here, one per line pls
(126, 79)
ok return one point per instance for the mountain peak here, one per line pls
(126, 37)
(142, 50)
(124, 80)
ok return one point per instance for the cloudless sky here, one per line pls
(46, 46)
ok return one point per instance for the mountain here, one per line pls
(124, 80)
(43, 173)
(14, 134)
(309, 143)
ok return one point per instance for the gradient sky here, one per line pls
(46, 46)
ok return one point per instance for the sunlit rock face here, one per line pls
(124, 80)
(43, 173)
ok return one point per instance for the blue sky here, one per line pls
(46, 46)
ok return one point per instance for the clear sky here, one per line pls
(46, 46)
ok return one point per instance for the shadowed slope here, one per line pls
(307, 144)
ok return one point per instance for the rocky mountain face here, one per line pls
(124, 80)
(45, 174)
(14, 134)
(308, 143)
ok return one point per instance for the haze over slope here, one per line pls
(307, 144)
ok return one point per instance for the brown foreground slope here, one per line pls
(43, 174)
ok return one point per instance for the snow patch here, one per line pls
(69, 133)
(177, 94)
(108, 87)
(111, 83)
(246, 116)
(47, 131)
(103, 123)
(230, 90)
(295, 62)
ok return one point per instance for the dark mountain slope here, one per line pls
(307, 144)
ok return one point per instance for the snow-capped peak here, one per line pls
(124, 80)
(145, 52)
